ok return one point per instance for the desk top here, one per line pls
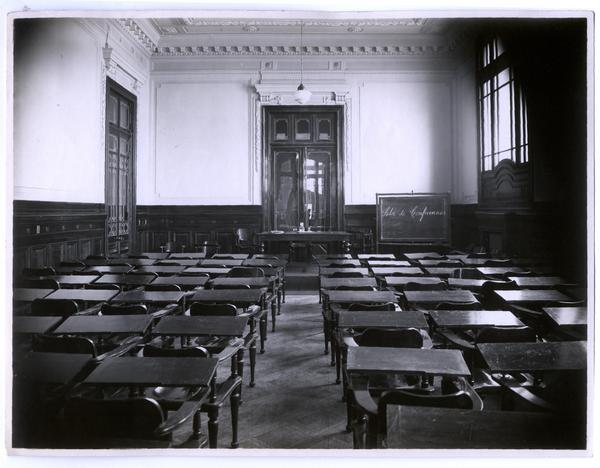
(422, 255)
(194, 255)
(332, 256)
(373, 360)
(330, 271)
(432, 263)
(376, 256)
(73, 279)
(473, 319)
(157, 297)
(389, 271)
(381, 319)
(103, 324)
(131, 280)
(323, 236)
(252, 282)
(500, 270)
(162, 269)
(88, 295)
(210, 271)
(201, 326)
(261, 262)
(359, 297)
(180, 261)
(154, 371)
(394, 281)
(110, 269)
(387, 263)
(239, 297)
(30, 294)
(441, 271)
(235, 256)
(156, 255)
(133, 261)
(466, 283)
(537, 281)
(331, 283)
(192, 281)
(341, 262)
(220, 261)
(437, 296)
(564, 316)
(418, 427)
(526, 357)
(531, 295)
(51, 368)
(34, 325)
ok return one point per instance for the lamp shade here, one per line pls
(302, 95)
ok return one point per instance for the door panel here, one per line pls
(317, 180)
(286, 201)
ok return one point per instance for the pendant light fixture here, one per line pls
(302, 95)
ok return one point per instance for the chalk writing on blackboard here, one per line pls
(420, 217)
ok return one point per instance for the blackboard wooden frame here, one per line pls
(444, 239)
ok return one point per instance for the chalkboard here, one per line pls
(418, 217)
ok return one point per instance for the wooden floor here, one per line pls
(295, 403)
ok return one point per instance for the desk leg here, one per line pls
(273, 314)
(262, 330)
(235, 401)
(252, 361)
(240, 368)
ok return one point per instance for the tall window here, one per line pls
(503, 109)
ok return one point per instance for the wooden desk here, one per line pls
(305, 236)
(567, 316)
(218, 261)
(239, 297)
(152, 297)
(381, 319)
(182, 262)
(136, 262)
(263, 262)
(161, 269)
(438, 296)
(252, 282)
(376, 256)
(105, 324)
(444, 272)
(201, 326)
(418, 427)
(359, 297)
(185, 282)
(68, 270)
(212, 272)
(537, 282)
(528, 357)
(502, 271)
(34, 325)
(156, 255)
(341, 262)
(372, 360)
(30, 294)
(332, 256)
(84, 295)
(51, 368)
(423, 255)
(110, 269)
(395, 271)
(126, 280)
(331, 271)
(514, 296)
(474, 319)
(154, 371)
(401, 281)
(75, 280)
(194, 255)
(434, 263)
(466, 283)
(332, 283)
(387, 263)
(235, 256)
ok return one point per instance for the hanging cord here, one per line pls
(301, 54)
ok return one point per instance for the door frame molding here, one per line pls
(341, 137)
(113, 85)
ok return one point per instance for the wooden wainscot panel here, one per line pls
(508, 185)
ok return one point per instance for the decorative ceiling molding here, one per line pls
(401, 22)
(137, 33)
(394, 50)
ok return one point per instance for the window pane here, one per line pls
(503, 77)
(113, 109)
(504, 119)
(487, 127)
(124, 120)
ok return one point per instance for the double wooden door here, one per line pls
(303, 183)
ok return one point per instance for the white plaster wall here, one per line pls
(59, 107)
(201, 144)
(405, 136)
(465, 134)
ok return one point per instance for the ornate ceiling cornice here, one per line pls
(394, 50)
(138, 34)
(405, 22)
